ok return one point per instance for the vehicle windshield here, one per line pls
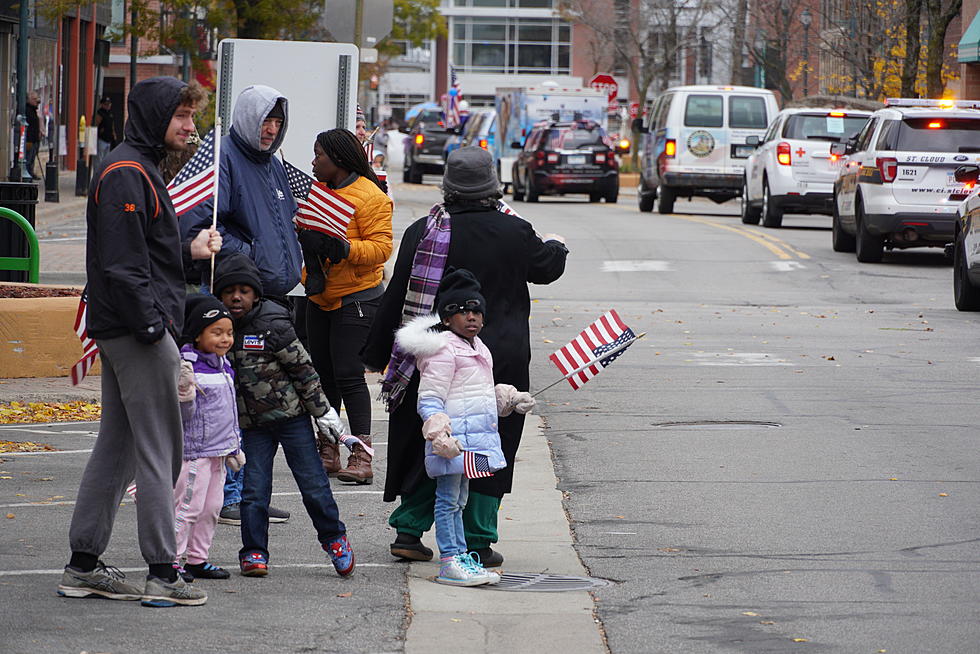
(574, 138)
(939, 134)
(823, 127)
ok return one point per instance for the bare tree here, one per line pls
(940, 13)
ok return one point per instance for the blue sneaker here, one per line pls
(254, 564)
(341, 555)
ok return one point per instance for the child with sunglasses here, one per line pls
(459, 406)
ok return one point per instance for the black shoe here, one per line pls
(206, 571)
(407, 546)
(230, 515)
(278, 515)
(488, 558)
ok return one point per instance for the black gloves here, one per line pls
(318, 247)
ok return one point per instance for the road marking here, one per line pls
(6, 454)
(339, 491)
(51, 432)
(327, 566)
(772, 247)
(786, 266)
(636, 265)
(736, 359)
(777, 240)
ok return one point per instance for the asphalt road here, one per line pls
(786, 463)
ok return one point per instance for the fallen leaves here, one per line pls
(23, 446)
(10, 516)
(347, 594)
(32, 412)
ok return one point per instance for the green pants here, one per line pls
(416, 513)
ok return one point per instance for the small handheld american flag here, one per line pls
(320, 208)
(452, 100)
(476, 465)
(195, 182)
(593, 349)
(89, 349)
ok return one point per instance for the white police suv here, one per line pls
(792, 169)
(966, 243)
(896, 187)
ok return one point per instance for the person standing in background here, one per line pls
(105, 124)
(33, 135)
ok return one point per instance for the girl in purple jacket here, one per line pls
(211, 436)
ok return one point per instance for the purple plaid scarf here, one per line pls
(427, 268)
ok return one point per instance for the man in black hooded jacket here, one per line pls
(135, 311)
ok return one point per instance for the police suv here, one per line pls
(966, 244)
(896, 187)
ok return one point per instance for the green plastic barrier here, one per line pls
(30, 263)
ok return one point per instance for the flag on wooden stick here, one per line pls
(320, 208)
(593, 349)
(195, 182)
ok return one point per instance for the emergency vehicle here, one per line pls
(897, 186)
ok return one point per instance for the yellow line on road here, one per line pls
(772, 247)
(800, 254)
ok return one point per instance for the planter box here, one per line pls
(37, 337)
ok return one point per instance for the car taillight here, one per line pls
(553, 157)
(834, 157)
(419, 139)
(782, 154)
(888, 167)
(483, 143)
(600, 157)
(670, 148)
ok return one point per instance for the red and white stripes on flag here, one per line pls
(325, 211)
(476, 465)
(582, 358)
(195, 182)
(89, 349)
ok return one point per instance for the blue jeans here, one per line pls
(233, 485)
(299, 445)
(451, 492)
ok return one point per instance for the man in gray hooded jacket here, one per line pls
(255, 207)
(255, 217)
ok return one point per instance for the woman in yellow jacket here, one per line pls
(341, 312)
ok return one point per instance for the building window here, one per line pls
(511, 45)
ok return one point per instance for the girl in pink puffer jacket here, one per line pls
(459, 405)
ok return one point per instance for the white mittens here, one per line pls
(185, 382)
(329, 426)
(446, 446)
(438, 423)
(235, 461)
(509, 399)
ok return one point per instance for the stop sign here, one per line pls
(605, 83)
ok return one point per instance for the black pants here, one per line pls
(336, 338)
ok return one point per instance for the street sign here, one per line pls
(338, 19)
(604, 83)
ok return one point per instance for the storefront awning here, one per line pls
(969, 50)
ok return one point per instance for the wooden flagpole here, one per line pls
(606, 355)
(217, 171)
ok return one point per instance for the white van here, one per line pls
(694, 142)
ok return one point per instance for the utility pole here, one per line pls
(133, 44)
(19, 171)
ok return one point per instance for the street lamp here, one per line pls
(806, 18)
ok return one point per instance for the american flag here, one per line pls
(89, 349)
(476, 465)
(582, 358)
(320, 208)
(195, 182)
(452, 104)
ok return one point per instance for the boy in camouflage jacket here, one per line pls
(277, 391)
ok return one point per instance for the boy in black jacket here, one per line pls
(278, 390)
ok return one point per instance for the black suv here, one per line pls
(566, 157)
(425, 145)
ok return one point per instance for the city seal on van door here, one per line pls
(700, 143)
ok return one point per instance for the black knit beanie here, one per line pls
(236, 268)
(459, 291)
(200, 311)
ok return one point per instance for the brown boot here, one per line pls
(330, 456)
(358, 468)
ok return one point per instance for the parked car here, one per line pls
(566, 157)
(791, 169)
(966, 243)
(425, 145)
(897, 187)
(694, 142)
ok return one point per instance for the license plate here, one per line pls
(576, 159)
(743, 151)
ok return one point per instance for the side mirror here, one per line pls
(638, 126)
(517, 145)
(753, 140)
(851, 145)
(967, 174)
(838, 149)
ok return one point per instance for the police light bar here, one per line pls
(939, 104)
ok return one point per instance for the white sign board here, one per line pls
(318, 79)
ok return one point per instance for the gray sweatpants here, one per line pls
(140, 436)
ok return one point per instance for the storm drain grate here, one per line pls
(544, 583)
(718, 424)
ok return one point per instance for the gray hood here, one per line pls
(251, 108)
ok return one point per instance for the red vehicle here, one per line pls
(567, 157)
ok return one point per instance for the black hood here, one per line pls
(151, 105)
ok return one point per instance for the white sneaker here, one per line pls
(474, 563)
(460, 571)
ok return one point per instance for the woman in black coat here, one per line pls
(505, 254)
